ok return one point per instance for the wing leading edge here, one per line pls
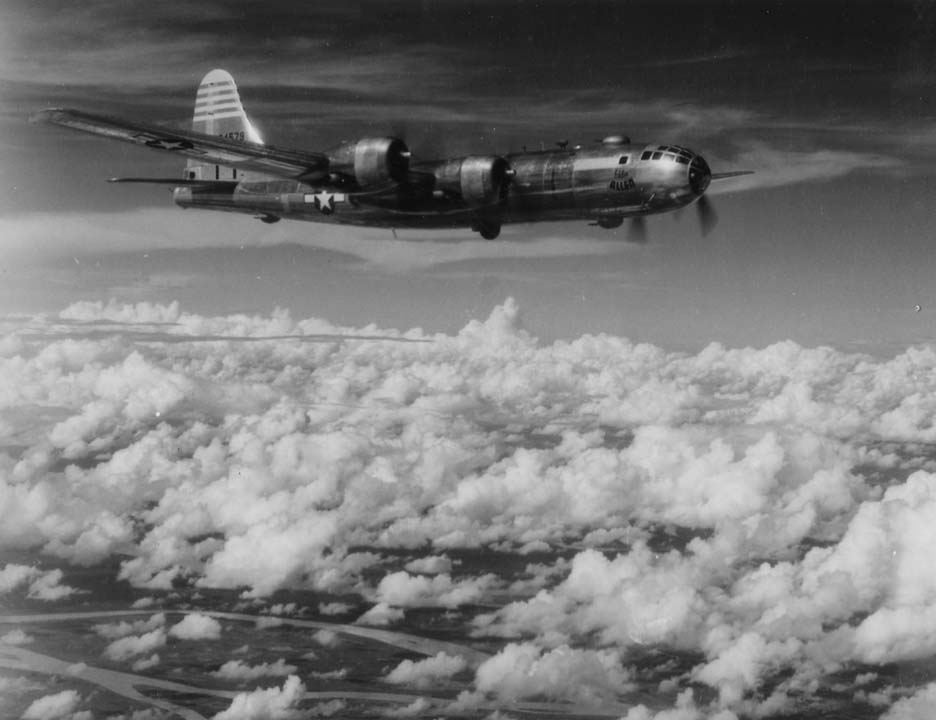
(280, 162)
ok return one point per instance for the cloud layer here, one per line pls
(766, 515)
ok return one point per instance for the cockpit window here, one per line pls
(671, 153)
(623, 160)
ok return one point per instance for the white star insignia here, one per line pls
(325, 202)
(166, 144)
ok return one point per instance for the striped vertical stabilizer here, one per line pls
(218, 111)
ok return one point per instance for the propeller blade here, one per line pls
(637, 232)
(708, 218)
(421, 136)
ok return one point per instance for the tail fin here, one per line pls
(218, 111)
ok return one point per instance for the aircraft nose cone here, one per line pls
(699, 175)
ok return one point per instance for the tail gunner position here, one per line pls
(376, 182)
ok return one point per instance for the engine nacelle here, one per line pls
(480, 180)
(371, 161)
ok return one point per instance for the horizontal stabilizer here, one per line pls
(177, 182)
(280, 162)
(726, 175)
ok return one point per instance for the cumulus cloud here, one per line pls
(270, 704)
(418, 708)
(16, 637)
(48, 587)
(334, 608)
(42, 585)
(917, 707)
(97, 311)
(423, 674)
(145, 663)
(381, 614)
(237, 670)
(684, 709)
(523, 670)
(430, 565)
(120, 629)
(196, 626)
(326, 638)
(283, 609)
(766, 513)
(126, 647)
(327, 709)
(12, 576)
(52, 707)
(404, 590)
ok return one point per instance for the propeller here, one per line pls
(424, 136)
(708, 218)
(637, 232)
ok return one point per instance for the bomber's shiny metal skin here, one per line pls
(604, 184)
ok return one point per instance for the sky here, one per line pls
(829, 104)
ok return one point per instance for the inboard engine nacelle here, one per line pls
(371, 161)
(479, 180)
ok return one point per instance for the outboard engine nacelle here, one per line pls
(371, 161)
(480, 180)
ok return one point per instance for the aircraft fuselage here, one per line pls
(605, 184)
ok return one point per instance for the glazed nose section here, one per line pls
(699, 175)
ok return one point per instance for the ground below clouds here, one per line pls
(464, 523)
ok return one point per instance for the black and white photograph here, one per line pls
(494, 360)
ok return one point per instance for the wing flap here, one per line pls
(281, 162)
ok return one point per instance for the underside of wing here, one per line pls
(178, 182)
(280, 162)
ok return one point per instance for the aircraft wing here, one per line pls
(735, 173)
(281, 162)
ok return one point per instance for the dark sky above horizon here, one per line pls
(830, 103)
